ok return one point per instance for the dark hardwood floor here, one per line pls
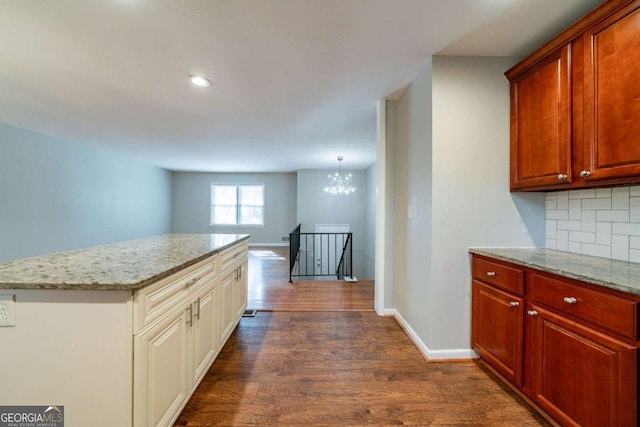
(269, 287)
(323, 368)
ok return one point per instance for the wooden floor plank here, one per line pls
(319, 356)
(269, 287)
(261, 378)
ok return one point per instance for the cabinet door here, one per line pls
(497, 329)
(206, 336)
(241, 290)
(612, 96)
(227, 307)
(161, 370)
(582, 377)
(541, 124)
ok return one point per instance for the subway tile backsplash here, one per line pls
(603, 222)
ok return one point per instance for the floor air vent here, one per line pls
(249, 313)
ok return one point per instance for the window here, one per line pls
(237, 204)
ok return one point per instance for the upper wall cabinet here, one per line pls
(612, 97)
(575, 105)
(541, 123)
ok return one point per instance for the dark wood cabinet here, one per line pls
(581, 377)
(497, 329)
(541, 123)
(575, 105)
(571, 347)
(612, 96)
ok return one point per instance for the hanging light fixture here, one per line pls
(339, 183)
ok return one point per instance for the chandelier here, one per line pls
(338, 183)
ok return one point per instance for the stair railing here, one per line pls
(320, 255)
(294, 250)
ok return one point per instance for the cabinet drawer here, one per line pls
(611, 312)
(152, 302)
(500, 275)
(233, 256)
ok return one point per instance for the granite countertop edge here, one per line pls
(567, 273)
(114, 286)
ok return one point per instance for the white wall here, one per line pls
(413, 180)
(472, 205)
(452, 165)
(370, 223)
(192, 201)
(390, 204)
(314, 206)
(56, 196)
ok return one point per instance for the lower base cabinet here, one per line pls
(161, 367)
(206, 336)
(190, 320)
(499, 339)
(241, 291)
(173, 356)
(227, 309)
(569, 346)
(581, 376)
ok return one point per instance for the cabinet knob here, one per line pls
(514, 304)
(585, 173)
(532, 313)
(570, 300)
(491, 273)
(562, 177)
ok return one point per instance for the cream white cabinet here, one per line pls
(174, 342)
(161, 362)
(205, 333)
(233, 277)
(227, 312)
(182, 323)
(173, 355)
(240, 296)
(129, 330)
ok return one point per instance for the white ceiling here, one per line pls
(296, 82)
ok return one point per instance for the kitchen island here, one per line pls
(120, 334)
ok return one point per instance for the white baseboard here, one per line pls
(422, 347)
(268, 244)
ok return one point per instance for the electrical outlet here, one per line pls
(7, 310)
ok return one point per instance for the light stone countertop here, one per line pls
(126, 265)
(613, 274)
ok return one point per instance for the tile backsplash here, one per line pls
(603, 222)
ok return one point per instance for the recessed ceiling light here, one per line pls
(199, 81)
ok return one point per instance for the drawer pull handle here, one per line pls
(514, 304)
(570, 300)
(193, 282)
(562, 177)
(532, 313)
(236, 255)
(491, 273)
(190, 315)
(197, 314)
